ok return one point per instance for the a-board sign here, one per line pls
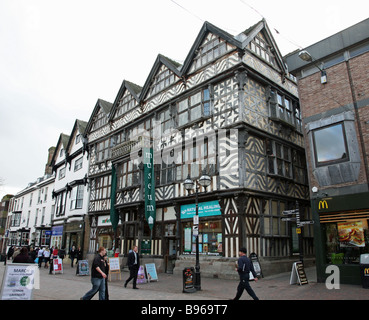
(298, 274)
(83, 268)
(114, 267)
(151, 272)
(256, 264)
(141, 278)
(19, 280)
(189, 280)
(57, 265)
(114, 264)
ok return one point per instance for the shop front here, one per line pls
(342, 235)
(209, 228)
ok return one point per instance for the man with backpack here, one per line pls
(244, 267)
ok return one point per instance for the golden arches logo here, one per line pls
(323, 204)
(366, 271)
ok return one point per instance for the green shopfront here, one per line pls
(341, 234)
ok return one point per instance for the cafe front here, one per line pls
(341, 234)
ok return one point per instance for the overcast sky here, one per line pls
(58, 57)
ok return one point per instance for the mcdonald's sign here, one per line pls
(323, 204)
(366, 272)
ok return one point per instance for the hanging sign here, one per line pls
(150, 205)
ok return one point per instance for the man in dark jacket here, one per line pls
(244, 267)
(133, 265)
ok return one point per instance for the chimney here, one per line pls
(48, 167)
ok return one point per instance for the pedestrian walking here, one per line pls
(98, 276)
(244, 267)
(72, 255)
(40, 256)
(107, 269)
(10, 252)
(133, 265)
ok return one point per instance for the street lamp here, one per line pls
(306, 56)
(189, 184)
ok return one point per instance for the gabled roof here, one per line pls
(206, 28)
(133, 88)
(79, 126)
(160, 60)
(262, 26)
(62, 144)
(105, 106)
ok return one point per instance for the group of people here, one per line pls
(100, 271)
(42, 254)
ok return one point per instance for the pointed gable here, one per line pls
(60, 150)
(164, 73)
(260, 41)
(210, 44)
(127, 98)
(99, 116)
(76, 137)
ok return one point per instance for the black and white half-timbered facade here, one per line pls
(230, 111)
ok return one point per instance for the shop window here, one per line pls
(330, 145)
(346, 241)
(210, 238)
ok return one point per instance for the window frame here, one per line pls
(335, 161)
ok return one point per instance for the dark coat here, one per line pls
(131, 259)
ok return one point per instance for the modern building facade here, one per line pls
(231, 110)
(334, 96)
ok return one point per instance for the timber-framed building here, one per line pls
(230, 110)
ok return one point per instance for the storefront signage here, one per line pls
(104, 221)
(206, 209)
(57, 231)
(19, 281)
(323, 204)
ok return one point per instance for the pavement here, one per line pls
(69, 286)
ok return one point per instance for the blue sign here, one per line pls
(57, 231)
(206, 209)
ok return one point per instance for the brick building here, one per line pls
(333, 84)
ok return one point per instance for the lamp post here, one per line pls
(204, 181)
(306, 56)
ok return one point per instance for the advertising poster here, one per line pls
(141, 278)
(351, 234)
(114, 264)
(83, 269)
(151, 272)
(58, 265)
(19, 280)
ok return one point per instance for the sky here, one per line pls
(57, 58)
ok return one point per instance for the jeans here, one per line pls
(98, 284)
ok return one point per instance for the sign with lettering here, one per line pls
(150, 204)
(19, 280)
(205, 209)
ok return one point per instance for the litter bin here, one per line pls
(364, 270)
(189, 280)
